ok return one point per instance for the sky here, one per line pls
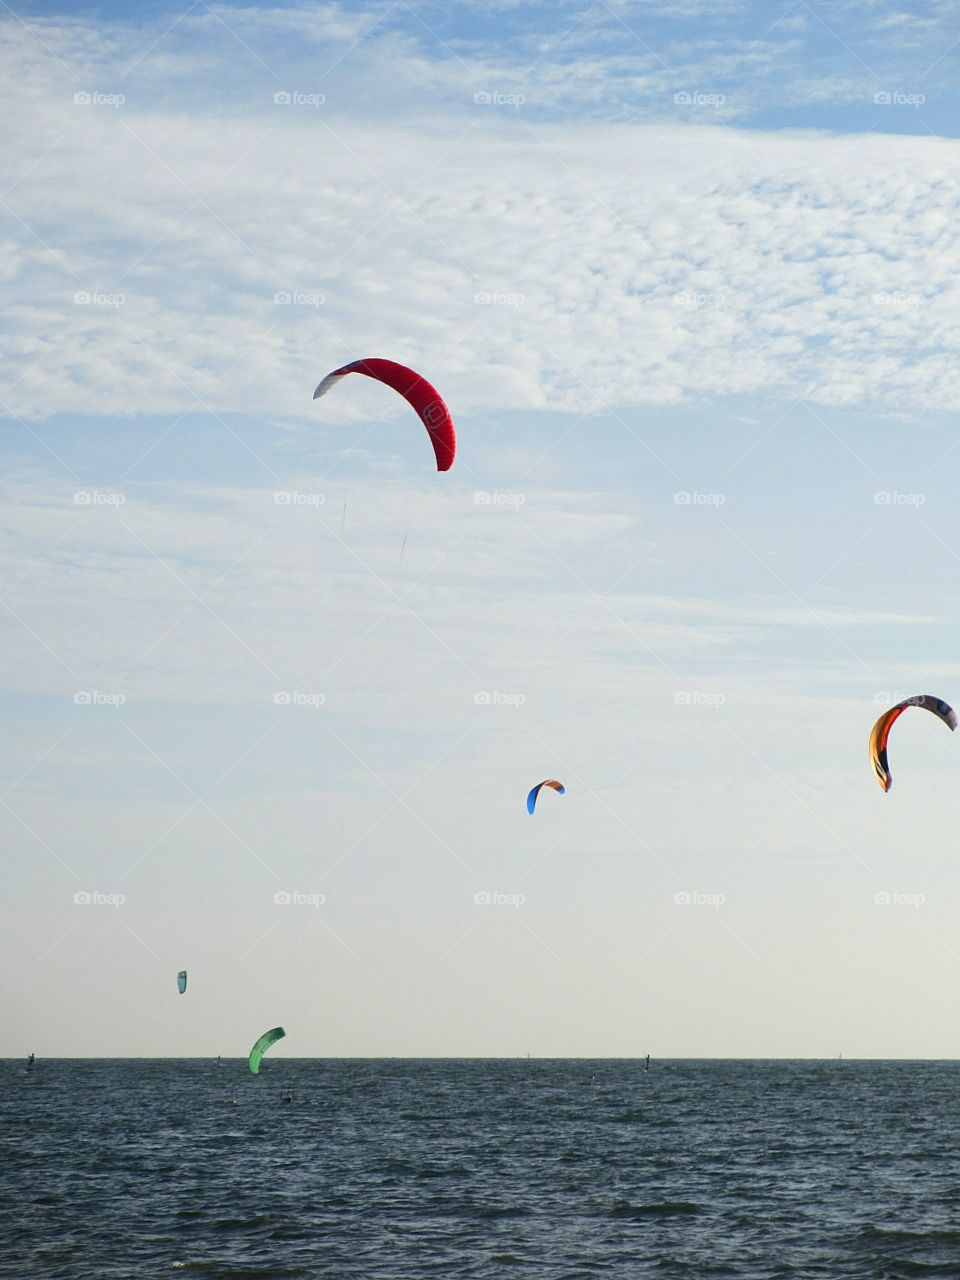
(274, 690)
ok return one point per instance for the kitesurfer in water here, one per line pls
(30, 1061)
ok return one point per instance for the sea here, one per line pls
(479, 1169)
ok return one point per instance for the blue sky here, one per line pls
(796, 65)
(686, 276)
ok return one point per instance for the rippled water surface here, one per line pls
(480, 1169)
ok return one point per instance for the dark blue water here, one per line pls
(480, 1169)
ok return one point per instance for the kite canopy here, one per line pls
(260, 1048)
(419, 394)
(552, 783)
(182, 981)
(881, 730)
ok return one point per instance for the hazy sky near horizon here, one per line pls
(687, 276)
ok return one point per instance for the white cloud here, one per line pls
(631, 265)
(634, 266)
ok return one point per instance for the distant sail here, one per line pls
(182, 981)
(552, 783)
(260, 1048)
(881, 730)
